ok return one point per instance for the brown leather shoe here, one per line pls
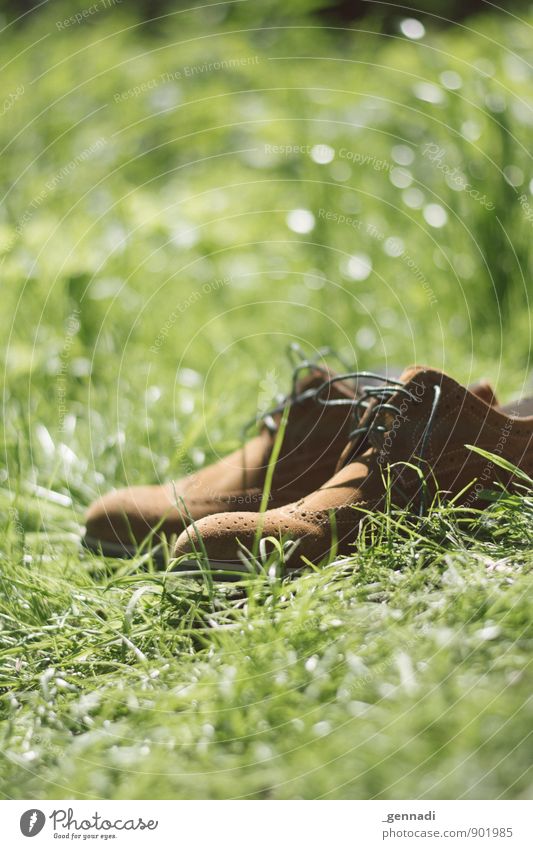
(119, 521)
(422, 423)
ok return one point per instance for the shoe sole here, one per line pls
(114, 549)
(221, 570)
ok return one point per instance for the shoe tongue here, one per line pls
(314, 378)
(482, 390)
(411, 372)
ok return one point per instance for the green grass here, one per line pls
(150, 289)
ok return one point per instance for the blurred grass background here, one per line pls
(186, 189)
(181, 199)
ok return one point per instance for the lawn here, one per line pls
(180, 202)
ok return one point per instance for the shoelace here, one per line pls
(301, 362)
(382, 393)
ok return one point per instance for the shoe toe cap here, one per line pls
(125, 517)
(224, 535)
(218, 536)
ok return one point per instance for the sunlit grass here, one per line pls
(150, 288)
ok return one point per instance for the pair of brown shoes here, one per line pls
(345, 451)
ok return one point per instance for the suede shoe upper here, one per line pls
(314, 437)
(421, 425)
